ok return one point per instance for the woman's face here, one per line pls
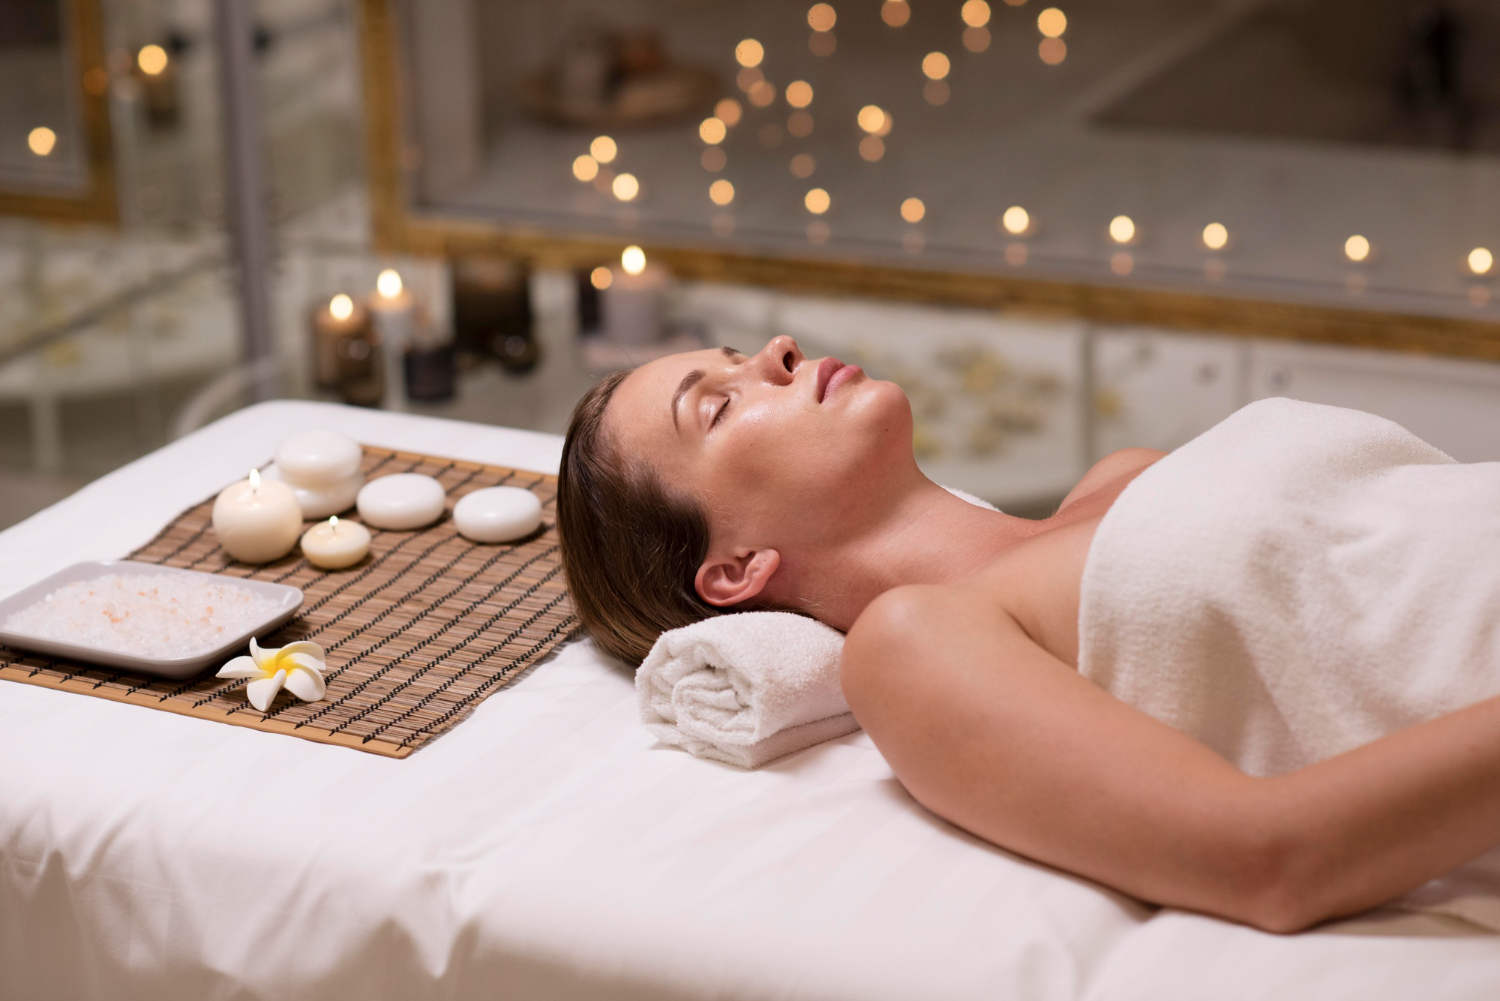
(778, 448)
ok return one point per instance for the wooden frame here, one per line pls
(397, 230)
(86, 33)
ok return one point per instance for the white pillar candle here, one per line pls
(318, 458)
(631, 306)
(334, 544)
(401, 501)
(394, 313)
(497, 514)
(257, 521)
(319, 502)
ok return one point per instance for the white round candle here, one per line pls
(257, 521)
(402, 500)
(631, 305)
(497, 514)
(319, 502)
(334, 544)
(395, 315)
(318, 459)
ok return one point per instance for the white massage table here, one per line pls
(547, 848)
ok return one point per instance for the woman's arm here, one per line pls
(992, 732)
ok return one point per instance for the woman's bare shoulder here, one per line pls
(1125, 465)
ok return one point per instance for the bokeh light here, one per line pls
(935, 65)
(712, 131)
(803, 165)
(585, 167)
(388, 283)
(713, 159)
(799, 124)
(912, 210)
(1481, 260)
(799, 93)
(152, 59)
(604, 149)
(633, 260)
(41, 140)
(721, 192)
(817, 201)
(1215, 236)
(626, 187)
(601, 278)
(1052, 22)
(1356, 248)
(1122, 229)
(341, 307)
(1016, 220)
(895, 13)
(821, 17)
(871, 148)
(749, 53)
(976, 39)
(1052, 51)
(976, 13)
(763, 94)
(871, 118)
(729, 112)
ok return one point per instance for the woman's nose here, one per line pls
(779, 359)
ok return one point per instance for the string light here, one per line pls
(1215, 236)
(1052, 22)
(749, 53)
(712, 131)
(912, 210)
(1122, 229)
(1357, 248)
(799, 93)
(821, 17)
(1016, 220)
(152, 59)
(728, 111)
(935, 65)
(585, 167)
(601, 278)
(626, 187)
(604, 149)
(721, 192)
(975, 13)
(1481, 260)
(633, 260)
(871, 118)
(895, 13)
(817, 201)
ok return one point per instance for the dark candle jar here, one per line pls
(361, 372)
(429, 372)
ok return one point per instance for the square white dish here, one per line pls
(288, 600)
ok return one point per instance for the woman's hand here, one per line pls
(992, 732)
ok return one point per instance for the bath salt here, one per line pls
(145, 615)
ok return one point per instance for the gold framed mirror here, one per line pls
(474, 148)
(55, 148)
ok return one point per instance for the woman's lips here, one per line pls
(832, 374)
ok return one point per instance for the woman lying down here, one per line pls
(1253, 678)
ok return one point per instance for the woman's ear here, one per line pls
(728, 580)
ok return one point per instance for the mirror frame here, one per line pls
(397, 229)
(98, 204)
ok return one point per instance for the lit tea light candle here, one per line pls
(257, 520)
(631, 303)
(497, 514)
(334, 544)
(401, 501)
(334, 320)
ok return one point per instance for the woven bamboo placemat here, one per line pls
(417, 634)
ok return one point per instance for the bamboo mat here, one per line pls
(417, 634)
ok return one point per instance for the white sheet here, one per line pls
(546, 848)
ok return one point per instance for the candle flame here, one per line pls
(341, 307)
(333, 524)
(389, 283)
(254, 480)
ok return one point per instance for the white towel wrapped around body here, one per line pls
(745, 688)
(1298, 581)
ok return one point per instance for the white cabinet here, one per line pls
(1154, 389)
(1453, 404)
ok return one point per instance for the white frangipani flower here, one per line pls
(297, 667)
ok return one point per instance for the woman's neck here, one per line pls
(928, 536)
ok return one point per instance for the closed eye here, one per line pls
(720, 415)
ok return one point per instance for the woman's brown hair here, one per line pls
(629, 549)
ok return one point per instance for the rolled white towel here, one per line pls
(745, 688)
